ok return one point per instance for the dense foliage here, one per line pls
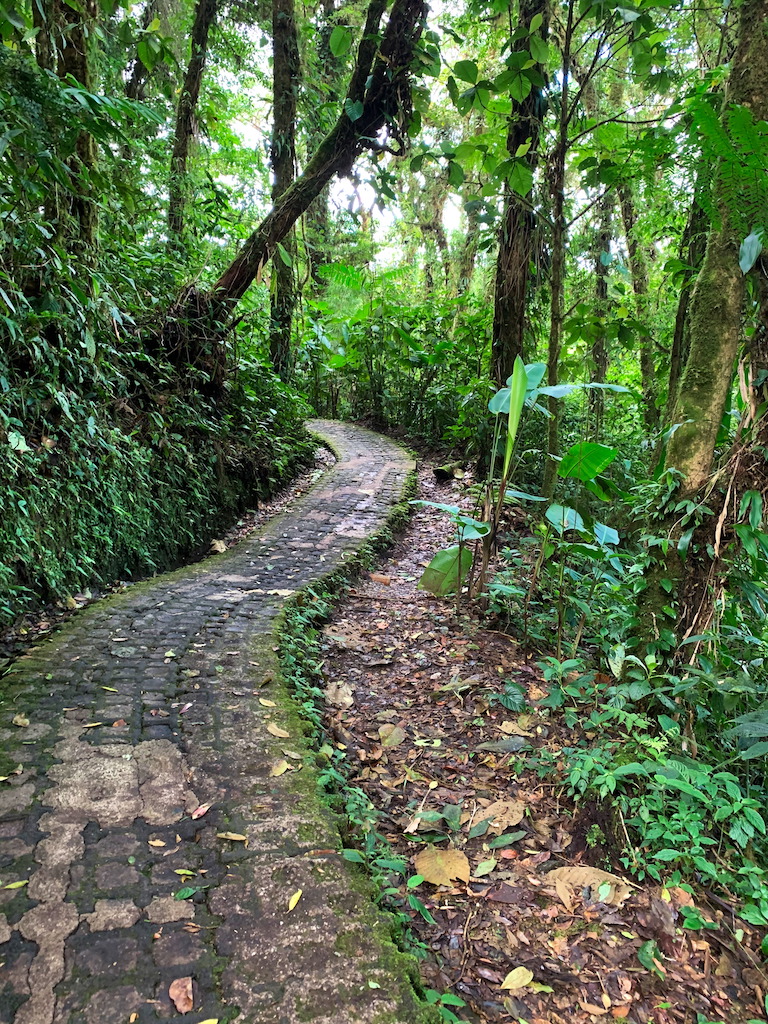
(529, 232)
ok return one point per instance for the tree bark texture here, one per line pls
(516, 236)
(716, 303)
(692, 249)
(285, 78)
(205, 15)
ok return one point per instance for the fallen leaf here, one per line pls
(505, 814)
(119, 723)
(377, 577)
(21, 720)
(391, 735)
(235, 837)
(518, 978)
(485, 867)
(441, 866)
(267, 703)
(584, 877)
(218, 547)
(155, 842)
(180, 992)
(280, 768)
(109, 689)
(88, 725)
(339, 694)
(16, 885)
(275, 730)
(200, 811)
(294, 899)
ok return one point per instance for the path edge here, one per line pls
(289, 627)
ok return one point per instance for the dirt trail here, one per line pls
(458, 777)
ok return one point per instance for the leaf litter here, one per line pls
(517, 914)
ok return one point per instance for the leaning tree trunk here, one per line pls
(378, 98)
(205, 14)
(516, 237)
(285, 78)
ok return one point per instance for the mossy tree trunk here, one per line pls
(205, 15)
(516, 236)
(596, 397)
(285, 78)
(705, 385)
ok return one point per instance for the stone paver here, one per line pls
(142, 709)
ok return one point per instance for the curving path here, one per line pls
(142, 709)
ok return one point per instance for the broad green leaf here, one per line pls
(583, 461)
(539, 49)
(520, 178)
(446, 570)
(516, 402)
(522, 495)
(535, 373)
(354, 111)
(285, 256)
(564, 518)
(466, 71)
(756, 750)
(605, 534)
(340, 41)
(750, 249)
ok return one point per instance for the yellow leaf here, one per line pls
(92, 725)
(155, 842)
(294, 899)
(280, 768)
(441, 866)
(21, 720)
(210, 1020)
(277, 731)
(109, 689)
(518, 978)
(267, 703)
(16, 885)
(234, 836)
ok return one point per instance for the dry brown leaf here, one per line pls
(505, 814)
(582, 877)
(440, 867)
(339, 694)
(391, 735)
(180, 992)
(218, 547)
(377, 577)
(275, 730)
(564, 892)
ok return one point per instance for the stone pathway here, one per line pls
(142, 710)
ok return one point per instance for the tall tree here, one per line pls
(285, 80)
(205, 15)
(516, 236)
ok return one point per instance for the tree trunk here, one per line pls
(692, 249)
(205, 14)
(516, 237)
(557, 278)
(596, 400)
(285, 77)
(638, 266)
(469, 249)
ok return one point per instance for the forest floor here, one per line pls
(412, 688)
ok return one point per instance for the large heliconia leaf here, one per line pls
(517, 389)
(442, 575)
(585, 460)
(564, 518)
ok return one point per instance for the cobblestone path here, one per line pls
(145, 707)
